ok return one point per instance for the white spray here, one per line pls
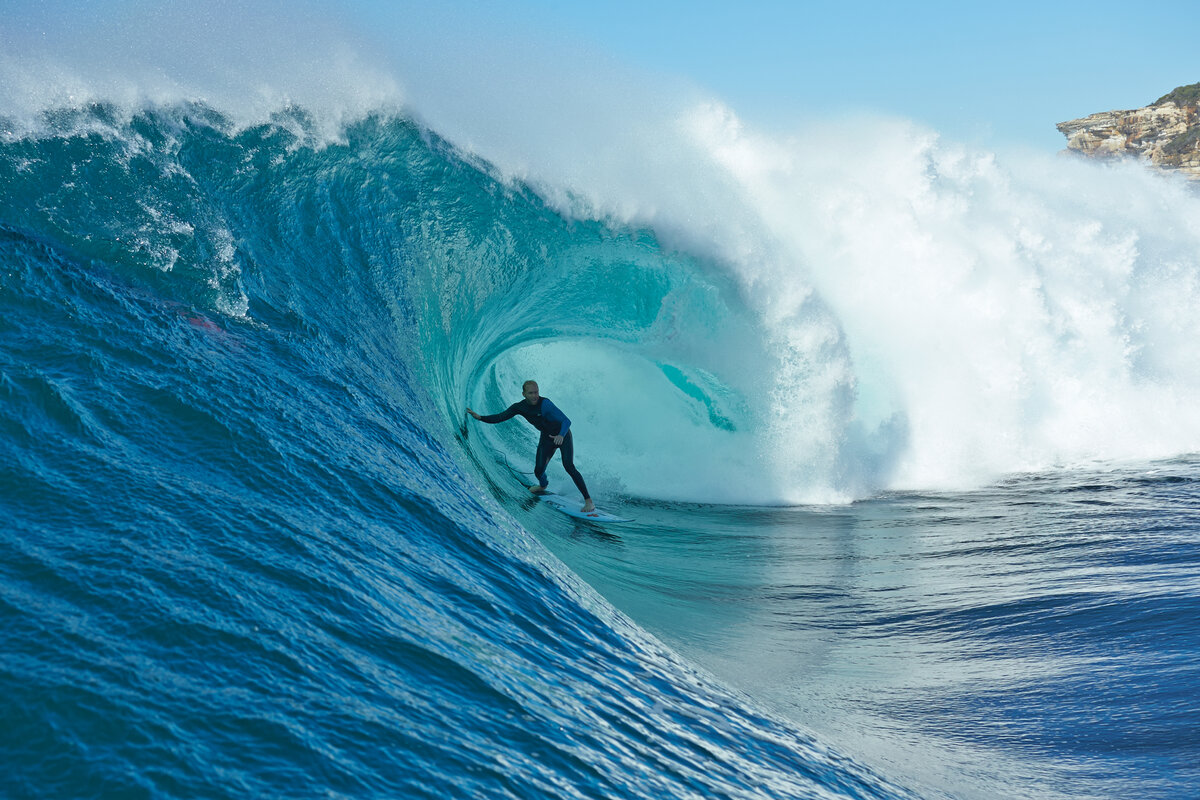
(934, 315)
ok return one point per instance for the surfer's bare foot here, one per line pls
(588, 506)
(537, 489)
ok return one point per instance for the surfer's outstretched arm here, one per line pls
(506, 414)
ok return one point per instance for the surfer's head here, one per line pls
(530, 390)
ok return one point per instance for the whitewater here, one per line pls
(907, 429)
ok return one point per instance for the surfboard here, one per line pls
(562, 504)
(571, 509)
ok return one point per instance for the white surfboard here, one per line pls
(571, 509)
(560, 503)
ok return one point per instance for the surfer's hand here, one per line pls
(558, 439)
(472, 413)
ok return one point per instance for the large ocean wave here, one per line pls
(843, 309)
(254, 546)
(233, 368)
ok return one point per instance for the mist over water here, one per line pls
(999, 313)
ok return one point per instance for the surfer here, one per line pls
(556, 435)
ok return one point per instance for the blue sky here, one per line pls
(997, 74)
(1002, 72)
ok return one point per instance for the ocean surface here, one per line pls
(916, 512)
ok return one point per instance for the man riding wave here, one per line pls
(555, 431)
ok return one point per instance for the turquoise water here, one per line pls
(1030, 639)
(254, 548)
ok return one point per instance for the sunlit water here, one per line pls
(1032, 639)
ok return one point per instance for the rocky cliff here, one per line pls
(1166, 133)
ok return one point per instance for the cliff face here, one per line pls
(1166, 133)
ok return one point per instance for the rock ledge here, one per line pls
(1165, 133)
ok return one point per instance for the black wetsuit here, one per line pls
(546, 417)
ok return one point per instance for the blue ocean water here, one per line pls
(252, 547)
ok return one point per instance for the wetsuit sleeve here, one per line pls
(503, 416)
(550, 411)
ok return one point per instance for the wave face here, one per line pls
(254, 547)
(244, 552)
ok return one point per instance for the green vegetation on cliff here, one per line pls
(1182, 96)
